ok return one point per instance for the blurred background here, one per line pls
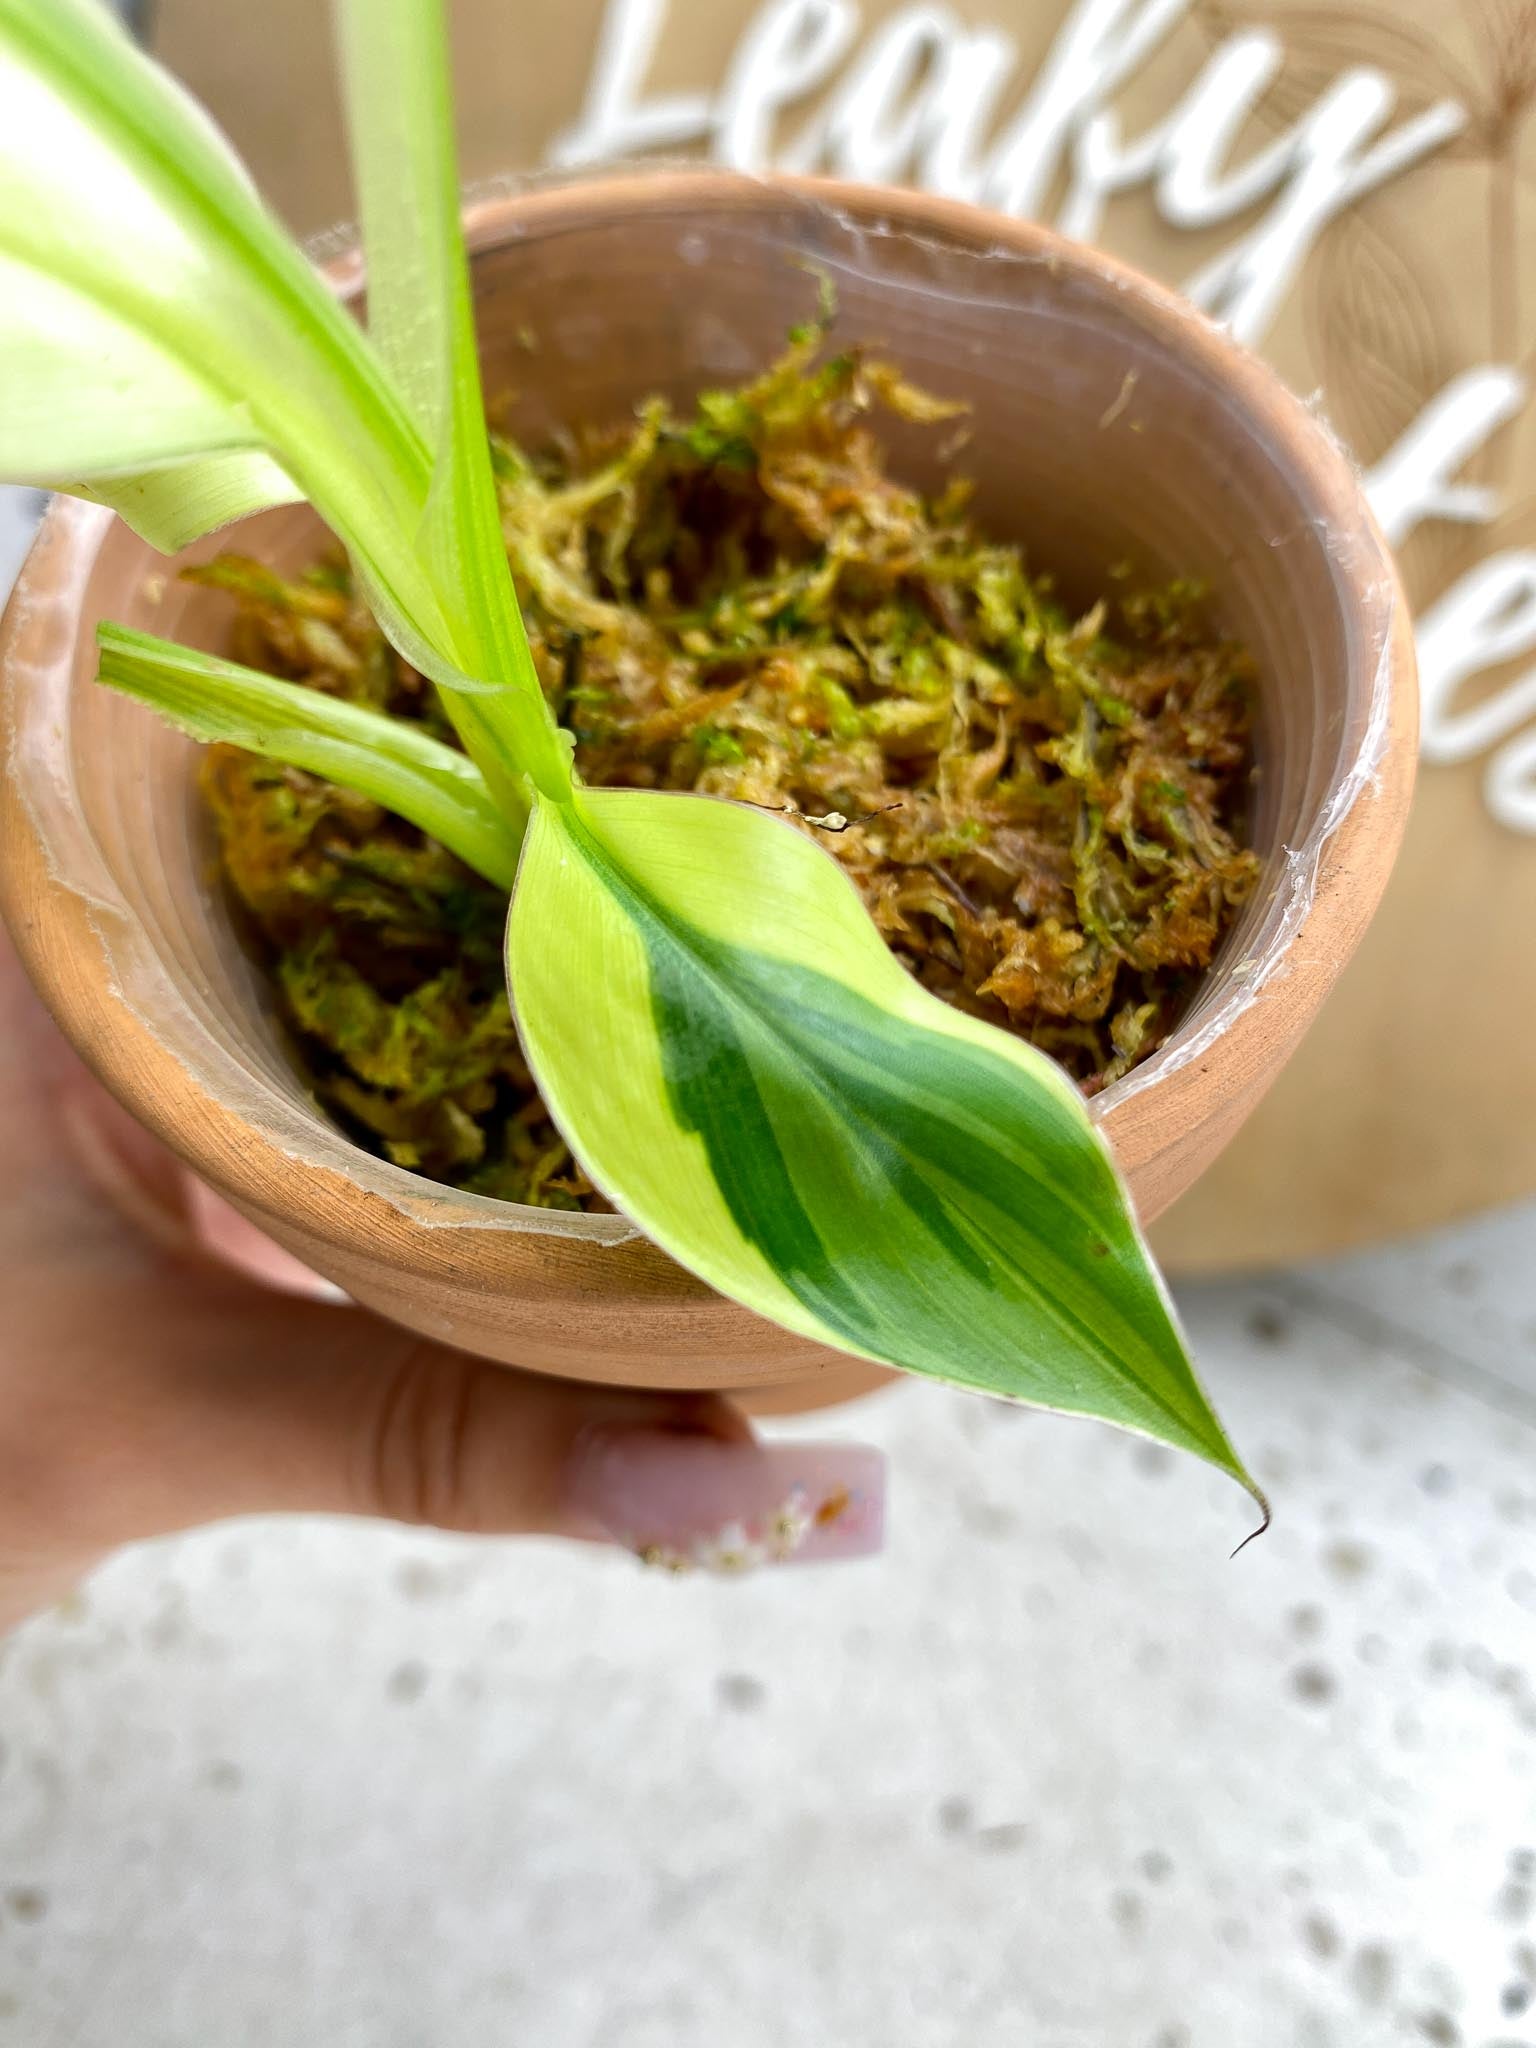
(1053, 1773)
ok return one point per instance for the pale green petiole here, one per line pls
(421, 320)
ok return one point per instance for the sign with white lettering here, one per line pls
(1351, 189)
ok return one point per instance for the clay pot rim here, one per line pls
(1349, 863)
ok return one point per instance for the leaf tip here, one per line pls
(1264, 1509)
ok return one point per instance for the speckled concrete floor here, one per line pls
(1055, 1773)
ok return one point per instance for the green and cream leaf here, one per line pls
(142, 277)
(733, 1053)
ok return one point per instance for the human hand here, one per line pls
(147, 1386)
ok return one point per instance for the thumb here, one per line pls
(178, 1394)
(146, 1388)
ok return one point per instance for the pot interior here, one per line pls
(1109, 427)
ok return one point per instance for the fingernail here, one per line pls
(696, 1503)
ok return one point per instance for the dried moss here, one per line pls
(1042, 812)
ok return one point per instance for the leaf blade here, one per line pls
(63, 416)
(790, 1115)
(172, 506)
(397, 764)
(117, 188)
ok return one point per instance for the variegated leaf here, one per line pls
(734, 1054)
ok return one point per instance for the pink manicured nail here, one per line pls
(694, 1503)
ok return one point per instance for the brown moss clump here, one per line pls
(1041, 811)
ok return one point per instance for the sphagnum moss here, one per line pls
(1041, 811)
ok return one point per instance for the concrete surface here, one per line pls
(1055, 1773)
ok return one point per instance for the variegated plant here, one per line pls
(716, 1026)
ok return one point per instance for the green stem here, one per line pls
(421, 310)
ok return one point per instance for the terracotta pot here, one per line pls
(1113, 424)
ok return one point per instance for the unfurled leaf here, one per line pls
(171, 508)
(732, 1052)
(153, 314)
(185, 320)
(396, 764)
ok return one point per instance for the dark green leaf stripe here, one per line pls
(908, 1242)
